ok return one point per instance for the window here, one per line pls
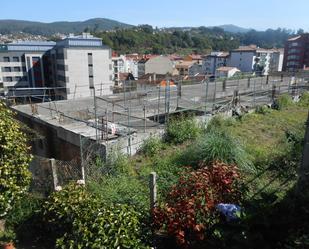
(24, 78)
(6, 59)
(8, 79)
(18, 78)
(294, 44)
(17, 69)
(15, 59)
(90, 65)
(24, 69)
(7, 69)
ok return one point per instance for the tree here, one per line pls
(14, 161)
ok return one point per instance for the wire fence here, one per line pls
(122, 122)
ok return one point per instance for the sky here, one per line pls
(257, 14)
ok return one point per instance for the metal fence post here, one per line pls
(82, 158)
(206, 97)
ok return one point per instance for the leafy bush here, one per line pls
(7, 236)
(190, 208)
(14, 160)
(122, 189)
(220, 123)
(80, 220)
(181, 129)
(217, 145)
(115, 164)
(284, 101)
(262, 110)
(151, 146)
(304, 100)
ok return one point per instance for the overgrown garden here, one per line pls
(228, 183)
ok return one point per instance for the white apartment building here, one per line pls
(213, 61)
(82, 64)
(124, 64)
(246, 58)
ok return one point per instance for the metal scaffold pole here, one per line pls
(95, 114)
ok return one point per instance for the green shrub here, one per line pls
(22, 210)
(304, 100)
(284, 101)
(115, 164)
(181, 129)
(217, 146)
(79, 219)
(14, 161)
(122, 189)
(262, 110)
(220, 123)
(7, 236)
(151, 146)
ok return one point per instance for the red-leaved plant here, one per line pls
(190, 206)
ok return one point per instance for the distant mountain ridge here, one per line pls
(40, 28)
(233, 28)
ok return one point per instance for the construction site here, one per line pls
(73, 129)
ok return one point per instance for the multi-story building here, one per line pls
(22, 64)
(213, 61)
(72, 67)
(296, 53)
(124, 64)
(81, 64)
(249, 59)
(156, 64)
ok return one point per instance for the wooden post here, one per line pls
(54, 172)
(153, 190)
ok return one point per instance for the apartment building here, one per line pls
(124, 64)
(296, 53)
(81, 64)
(251, 59)
(22, 64)
(73, 67)
(214, 61)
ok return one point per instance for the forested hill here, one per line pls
(40, 28)
(145, 39)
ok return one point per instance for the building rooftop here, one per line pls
(219, 54)
(294, 38)
(250, 48)
(226, 69)
(185, 64)
(28, 46)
